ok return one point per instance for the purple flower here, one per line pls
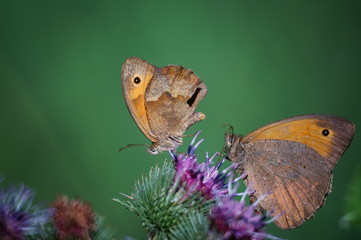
(18, 216)
(204, 178)
(232, 219)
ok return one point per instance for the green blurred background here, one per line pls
(63, 116)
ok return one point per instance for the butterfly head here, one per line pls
(228, 139)
(233, 147)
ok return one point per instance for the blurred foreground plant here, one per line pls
(189, 200)
(68, 219)
(19, 217)
(75, 219)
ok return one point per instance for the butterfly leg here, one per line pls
(176, 139)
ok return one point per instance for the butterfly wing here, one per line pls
(328, 135)
(171, 99)
(134, 93)
(292, 160)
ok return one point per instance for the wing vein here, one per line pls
(307, 178)
(285, 203)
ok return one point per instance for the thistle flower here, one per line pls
(167, 200)
(162, 208)
(232, 219)
(203, 177)
(19, 217)
(73, 218)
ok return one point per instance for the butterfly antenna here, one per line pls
(133, 145)
(230, 129)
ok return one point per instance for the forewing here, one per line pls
(134, 94)
(309, 130)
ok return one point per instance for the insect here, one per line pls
(291, 162)
(162, 101)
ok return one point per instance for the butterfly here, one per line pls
(162, 101)
(291, 162)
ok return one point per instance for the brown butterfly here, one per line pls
(162, 101)
(291, 162)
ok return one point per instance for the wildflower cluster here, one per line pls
(21, 219)
(190, 200)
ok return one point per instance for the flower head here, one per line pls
(204, 178)
(19, 218)
(232, 219)
(73, 218)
